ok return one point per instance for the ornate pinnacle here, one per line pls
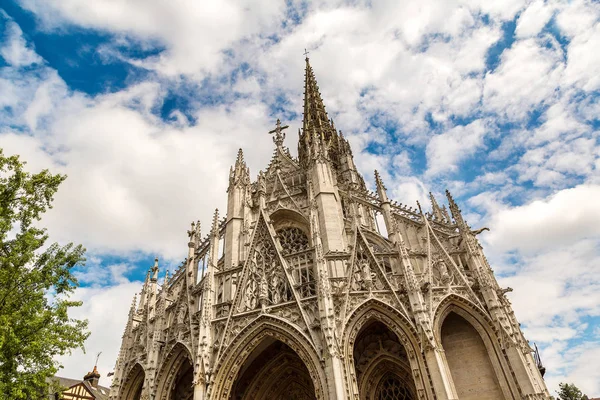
(215, 223)
(239, 173)
(240, 157)
(381, 189)
(279, 133)
(194, 232)
(437, 212)
(166, 277)
(456, 214)
(133, 305)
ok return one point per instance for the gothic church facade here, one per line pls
(313, 287)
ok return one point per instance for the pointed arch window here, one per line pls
(299, 256)
(392, 388)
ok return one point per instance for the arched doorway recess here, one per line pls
(273, 371)
(134, 383)
(381, 365)
(469, 361)
(176, 376)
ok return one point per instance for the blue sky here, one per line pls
(145, 106)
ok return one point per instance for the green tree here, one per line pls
(568, 391)
(35, 283)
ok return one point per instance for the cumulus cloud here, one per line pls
(445, 151)
(16, 51)
(566, 217)
(195, 33)
(135, 182)
(527, 76)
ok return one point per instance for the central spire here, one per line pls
(315, 116)
(318, 135)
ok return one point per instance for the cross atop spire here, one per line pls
(279, 133)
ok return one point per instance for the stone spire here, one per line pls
(437, 211)
(214, 230)
(315, 115)
(318, 135)
(381, 189)
(239, 174)
(144, 294)
(456, 214)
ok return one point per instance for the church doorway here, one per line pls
(273, 371)
(381, 365)
(470, 364)
(132, 390)
(182, 388)
(176, 376)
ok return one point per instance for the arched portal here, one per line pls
(381, 365)
(177, 375)
(132, 387)
(470, 365)
(273, 371)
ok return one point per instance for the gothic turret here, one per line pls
(239, 186)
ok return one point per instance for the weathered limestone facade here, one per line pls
(313, 287)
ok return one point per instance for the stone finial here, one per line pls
(215, 223)
(133, 306)
(435, 208)
(239, 174)
(194, 233)
(381, 189)
(154, 270)
(279, 134)
(456, 213)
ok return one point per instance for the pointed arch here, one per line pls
(286, 217)
(177, 361)
(265, 327)
(466, 318)
(472, 312)
(375, 239)
(373, 310)
(133, 384)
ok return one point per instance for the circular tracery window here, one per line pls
(292, 240)
(392, 388)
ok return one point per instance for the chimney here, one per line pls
(92, 377)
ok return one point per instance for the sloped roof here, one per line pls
(100, 393)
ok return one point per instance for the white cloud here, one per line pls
(533, 19)
(195, 33)
(566, 217)
(16, 51)
(583, 64)
(106, 309)
(527, 77)
(445, 151)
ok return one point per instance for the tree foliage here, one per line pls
(568, 391)
(35, 283)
